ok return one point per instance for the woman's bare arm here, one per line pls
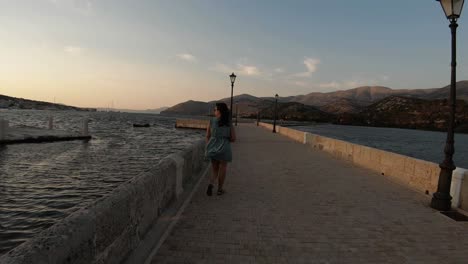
(208, 132)
(233, 135)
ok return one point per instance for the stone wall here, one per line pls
(266, 125)
(293, 134)
(108, 230)
(418, 174)
(463, 191)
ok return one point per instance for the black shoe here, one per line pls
(220, 192)
(209, 192)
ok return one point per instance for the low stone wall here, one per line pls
(108, 230)
(293, 134)
(419, 174)
(415, 173)
(266, 125)
(192, 123)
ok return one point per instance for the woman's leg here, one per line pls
(214, 176)
(215, 171)
(222, 174)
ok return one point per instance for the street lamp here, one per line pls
(258, 117)
(237, 112)
(275, 114)
(233, 79)
(441, 200)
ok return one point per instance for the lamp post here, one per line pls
(237, 112)
(441, 200)
(258, 117)
(233, 79)
(275, 114)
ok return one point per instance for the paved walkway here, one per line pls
(288, 203)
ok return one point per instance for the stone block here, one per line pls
(68, 241)
(167, 182)
(456, 186)
(464, 193)
(147, 202)
(114, 213)
(409, 165)
(181, 170)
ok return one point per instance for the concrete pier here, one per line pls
(287, 202)
(25, 134)
(291, 197)
(17, 135)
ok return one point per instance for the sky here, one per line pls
(145, 54)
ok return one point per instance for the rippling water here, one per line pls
(425, 145)
(43, 183)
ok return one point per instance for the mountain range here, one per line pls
(145, 111)
(345, 101)
(8, 102)
(366, 105)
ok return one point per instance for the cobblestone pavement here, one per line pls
(288, 203)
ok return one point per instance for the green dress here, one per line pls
(219, 146)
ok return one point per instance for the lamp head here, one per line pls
(452, 8)
(233, 78)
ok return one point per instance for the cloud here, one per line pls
(279, 70)
(311, 67)
(311, 64)
(357, 82)
(73, 50)
(187, 57)
(249, 70)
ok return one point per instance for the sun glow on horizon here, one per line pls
(141, 55)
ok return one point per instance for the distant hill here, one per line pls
(156, 110)
(407, 112)
(342, 105)
(146, 111)
(443, 93)
(7, 102)
(361, 96)
(295, 112)
(247, 105)
(190, 108)
(367, 105)
(366, 95)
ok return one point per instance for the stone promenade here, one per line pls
(288, 203)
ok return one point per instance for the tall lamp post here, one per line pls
(237, 112)
(275, 113)
(441, 200)
(233, 79)
(258, 117)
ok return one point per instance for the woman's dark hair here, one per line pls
(224, 120)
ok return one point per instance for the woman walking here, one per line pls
(219, 136)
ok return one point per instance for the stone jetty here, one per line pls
(25, 134)
(291, 197)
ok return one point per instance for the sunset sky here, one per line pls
(142, 54)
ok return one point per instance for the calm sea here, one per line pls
(43, 183)
(425, 145)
